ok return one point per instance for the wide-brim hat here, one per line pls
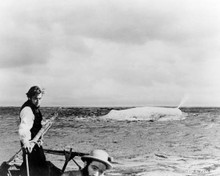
(99, 155)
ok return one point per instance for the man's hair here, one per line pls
(33, 91)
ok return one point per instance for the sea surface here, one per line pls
(189, 147)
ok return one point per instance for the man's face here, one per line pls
(36, 100)
(96, 168)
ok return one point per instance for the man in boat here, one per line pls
(30, 124)
(96, 164)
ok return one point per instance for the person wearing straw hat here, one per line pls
(96, 164)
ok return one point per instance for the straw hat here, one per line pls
(99, 155)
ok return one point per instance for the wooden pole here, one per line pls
(27, 163)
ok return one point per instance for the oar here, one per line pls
(67, 159)
(27, 162)
(63, 153)
(14, 156)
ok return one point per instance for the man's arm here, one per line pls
(27, 121)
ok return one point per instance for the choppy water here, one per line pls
(188, 147)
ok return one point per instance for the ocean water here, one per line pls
(181, 147)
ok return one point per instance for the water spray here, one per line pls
(184, 99)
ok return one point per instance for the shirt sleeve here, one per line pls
(27, 121)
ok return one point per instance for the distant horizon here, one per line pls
(116, 106)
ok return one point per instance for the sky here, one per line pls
(111, 52)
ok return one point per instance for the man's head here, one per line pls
(35, 95)
(96, 168)
(97, 162)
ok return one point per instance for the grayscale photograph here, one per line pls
(110, 88)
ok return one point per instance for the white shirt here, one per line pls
(27, 121)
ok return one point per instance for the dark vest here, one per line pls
(37, 118)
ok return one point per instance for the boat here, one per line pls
(13, 168)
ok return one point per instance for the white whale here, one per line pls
(146, 113)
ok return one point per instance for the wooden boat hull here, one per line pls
(7, 169)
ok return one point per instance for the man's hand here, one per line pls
(40, 141)
(29, 145)
(45, 122)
